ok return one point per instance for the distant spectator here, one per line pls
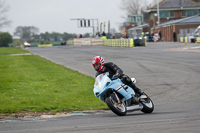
(174, 36)
(160, 35)
(124, 36)
(142, 34)
(104, 36)
(97, 36)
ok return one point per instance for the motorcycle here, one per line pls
(120, 98)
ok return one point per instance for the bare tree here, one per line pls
(154, 2)
(3, 10)
(133, 6)
(112, 31)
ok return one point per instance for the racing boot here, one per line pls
(134, 99)
(136, 89)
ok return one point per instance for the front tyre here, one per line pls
(147, 103)
(117, 108)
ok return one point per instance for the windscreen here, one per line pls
(99, 78)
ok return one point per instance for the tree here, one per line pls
(35, 38)
(26, 32)
(45, 36)
(133, 6)
(17, 43)
(3, 18)
(87, 35)
(67, 36)
(196, 0)
(56, 36)
(5, 39)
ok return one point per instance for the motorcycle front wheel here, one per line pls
(117, 108)
(147, 103)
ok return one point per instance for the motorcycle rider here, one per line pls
(114, 72)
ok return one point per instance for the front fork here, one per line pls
(117, 99)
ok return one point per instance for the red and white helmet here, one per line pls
(98, 63)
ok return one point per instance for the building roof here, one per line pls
(140, 26)
(165, 4)
(189, 20)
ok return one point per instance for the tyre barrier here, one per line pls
(198, 39)
(124, 42)
(193, 40)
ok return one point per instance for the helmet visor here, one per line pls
(97, 66)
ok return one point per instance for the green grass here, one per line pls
(35, 44)
(31, 83)
(9, 50)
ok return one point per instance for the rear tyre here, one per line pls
(117, 108)
(147, 103)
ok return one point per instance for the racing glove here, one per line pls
(115, 76)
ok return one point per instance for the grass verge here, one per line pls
(31, 83)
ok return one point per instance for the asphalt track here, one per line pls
(168, 72)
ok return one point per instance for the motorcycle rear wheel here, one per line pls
(119, 109)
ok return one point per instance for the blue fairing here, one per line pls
(103, 83)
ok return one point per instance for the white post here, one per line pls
(158, 14)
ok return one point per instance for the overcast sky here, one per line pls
(55, 15)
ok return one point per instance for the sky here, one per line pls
(56, 15)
